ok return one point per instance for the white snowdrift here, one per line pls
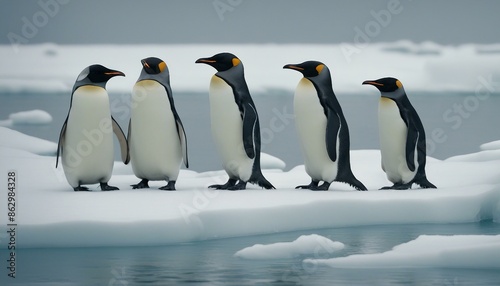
(14, 139)
(424, 66)
(459, 251)
(31, 117)
(312, 244)
(50, 214)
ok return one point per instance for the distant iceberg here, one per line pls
(31, 117)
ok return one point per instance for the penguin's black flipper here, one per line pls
(122, 140)
(61, 140)
(411, 144)
(249, 122)
(183, 138)
(332, 131)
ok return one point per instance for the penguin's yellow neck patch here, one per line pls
(236, 62)
(319, 68)
(162, 66)
(385, 100)
(399, 84)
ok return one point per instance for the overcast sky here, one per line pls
(248, 21)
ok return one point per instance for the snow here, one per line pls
(17, 140)
(495, 145)
(32, 117)
(312, 244)
(51, 214)
(489, 151)
(458, 251)
(422, 66)
(268, 161)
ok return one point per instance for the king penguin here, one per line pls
(402, 136)
(322, 128)
(235, 123)
(156, 135)
(86, 141)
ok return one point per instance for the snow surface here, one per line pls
(13, 139)
(312, 244)
(423, 66)
(32, 117)
(50, 214)
(458, 251)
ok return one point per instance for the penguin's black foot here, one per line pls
(143, 184)
(227, 185)
(169, 187)
(398, 186)
(313, 185)
(240, 186)
(106, 187)
(323, 187)
(81, 189)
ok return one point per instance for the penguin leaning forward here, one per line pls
(402, 136)
(235, 123)
(156, 135)
(86, 142)
(322, 128)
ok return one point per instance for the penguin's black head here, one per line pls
(308, 69)
(221, 62)
(98, 74)
(386, 84)
(153, 65)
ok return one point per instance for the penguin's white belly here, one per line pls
(393, 133)
(87, 155)
(227, 130)
(310, 121)
(155, 149)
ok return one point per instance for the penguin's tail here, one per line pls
(357, 185)
(424, 183)
(259, 179)
(352, 181)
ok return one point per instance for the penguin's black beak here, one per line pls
(112, 73)
(293, 67)
(372, 82)
(208, 61)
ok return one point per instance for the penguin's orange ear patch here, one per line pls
(399, 84)
(236, 62)
(319, 68)
(162, 66)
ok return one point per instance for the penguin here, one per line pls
(402, 136)
(85, 141)
(322, 128)
(156, 136)
(234, 123)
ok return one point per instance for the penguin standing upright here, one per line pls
(235, 123)
(402, 136)
(86, 141)
(322, 128)
(156, 135)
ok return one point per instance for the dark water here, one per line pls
(455, 123)
(212, 262)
